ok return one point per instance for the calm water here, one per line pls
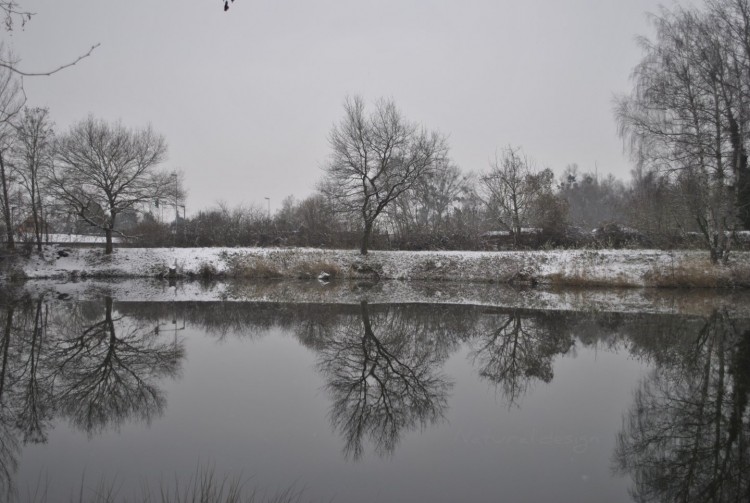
(373, 402)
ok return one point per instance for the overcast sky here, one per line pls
(246, 98)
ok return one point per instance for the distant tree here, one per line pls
(427, 207)
(102, 170)
(513, 188)
(591, 200)
(33, 158)
(377, 158)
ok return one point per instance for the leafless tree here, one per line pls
(376, 158)
(33, 159)
(429, 203)
(102, 170)
(11, 102)
(512, 189)
(688, 114)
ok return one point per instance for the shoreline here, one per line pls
(698, 302)
(553, 268)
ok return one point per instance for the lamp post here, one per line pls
(269, 206)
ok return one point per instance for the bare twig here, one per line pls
(11, 65)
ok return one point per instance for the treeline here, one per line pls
(389, 182)
(451, 210)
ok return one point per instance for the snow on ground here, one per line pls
(631, 268)
(69, 238)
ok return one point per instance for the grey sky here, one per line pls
(246, 98)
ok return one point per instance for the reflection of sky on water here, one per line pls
(362, 402)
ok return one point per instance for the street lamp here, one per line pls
(269, 206)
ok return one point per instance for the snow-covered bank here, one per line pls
(629, 268)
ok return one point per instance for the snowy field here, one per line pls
(586, 268)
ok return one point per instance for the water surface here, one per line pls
(374, 402)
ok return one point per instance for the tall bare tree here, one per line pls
(33, 160)
(689, 113)
(102, 170)
(11, 101)
(376, 158)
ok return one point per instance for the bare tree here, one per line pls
(376, 158)
(33, 160)
(688, 113)
(11, 101)
(102, 170)
(512, 189)
(426, 209)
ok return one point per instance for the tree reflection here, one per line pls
(108, 370)
(686, 435)
(513, 351)
(9, 447)
(96, 369)
(382, 383)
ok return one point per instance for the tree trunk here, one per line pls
(10, 242)
(366, 238)
(6, 343)
(743, 196)
(35, 214)
(108, 247)
(741, 173)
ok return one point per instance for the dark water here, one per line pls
(365, 402)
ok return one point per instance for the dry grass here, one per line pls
(692, 274)
(252, 267)
(204, 486)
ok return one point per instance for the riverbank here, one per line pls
(579, 268)
(688, 302)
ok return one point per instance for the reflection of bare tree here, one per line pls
(108, 370)
(70, 361)
(512, 351)
(686, 436)
(382, 385)
(35, 390)
(8, 443)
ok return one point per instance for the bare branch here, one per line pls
(11, 65)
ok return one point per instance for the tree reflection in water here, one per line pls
(97, 369)
(381, 382)
(511, 351)
(99, 364)
(108, 370)
(685, 438)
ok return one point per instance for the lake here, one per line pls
(369, 400)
